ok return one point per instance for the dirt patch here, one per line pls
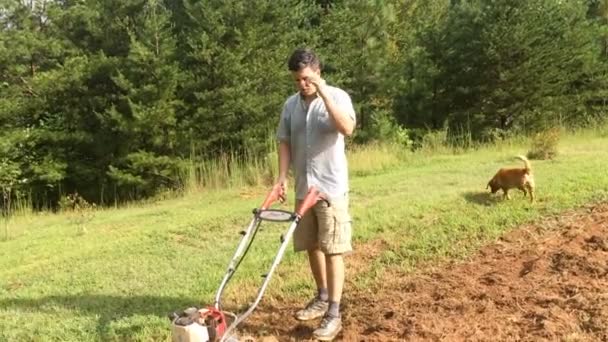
(547, 281)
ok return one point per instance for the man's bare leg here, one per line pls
(317, 262)
(335, 282)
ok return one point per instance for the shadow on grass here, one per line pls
(481, 198)
(108, 308)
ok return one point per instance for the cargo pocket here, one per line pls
(341, 235)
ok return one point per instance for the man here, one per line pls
(311, 134)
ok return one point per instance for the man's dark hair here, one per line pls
(302, 58)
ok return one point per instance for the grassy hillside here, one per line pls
(113, 274)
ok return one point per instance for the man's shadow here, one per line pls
(107, 307)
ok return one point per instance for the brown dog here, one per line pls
(520, 178)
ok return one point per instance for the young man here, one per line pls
(311, 134)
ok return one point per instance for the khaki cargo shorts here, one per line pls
(326, 226)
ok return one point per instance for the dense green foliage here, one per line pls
(117, 99)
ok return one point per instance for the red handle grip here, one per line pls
(273, 196)
(309, 201)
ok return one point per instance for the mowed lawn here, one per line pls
(114, 275)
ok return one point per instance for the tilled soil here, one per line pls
(541, 282)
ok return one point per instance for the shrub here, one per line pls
(544, 144)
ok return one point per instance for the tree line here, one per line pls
(114, 98)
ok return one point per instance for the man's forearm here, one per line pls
(284, 159)
(344, 123)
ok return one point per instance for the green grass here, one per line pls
(116, 279)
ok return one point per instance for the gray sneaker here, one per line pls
(314, 309)
(329, 328)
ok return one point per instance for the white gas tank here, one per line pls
(193, 332)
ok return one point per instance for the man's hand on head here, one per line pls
(318, 82)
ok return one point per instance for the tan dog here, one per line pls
(520, 178)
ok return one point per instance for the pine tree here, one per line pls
(148, 78)
(236, 54)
